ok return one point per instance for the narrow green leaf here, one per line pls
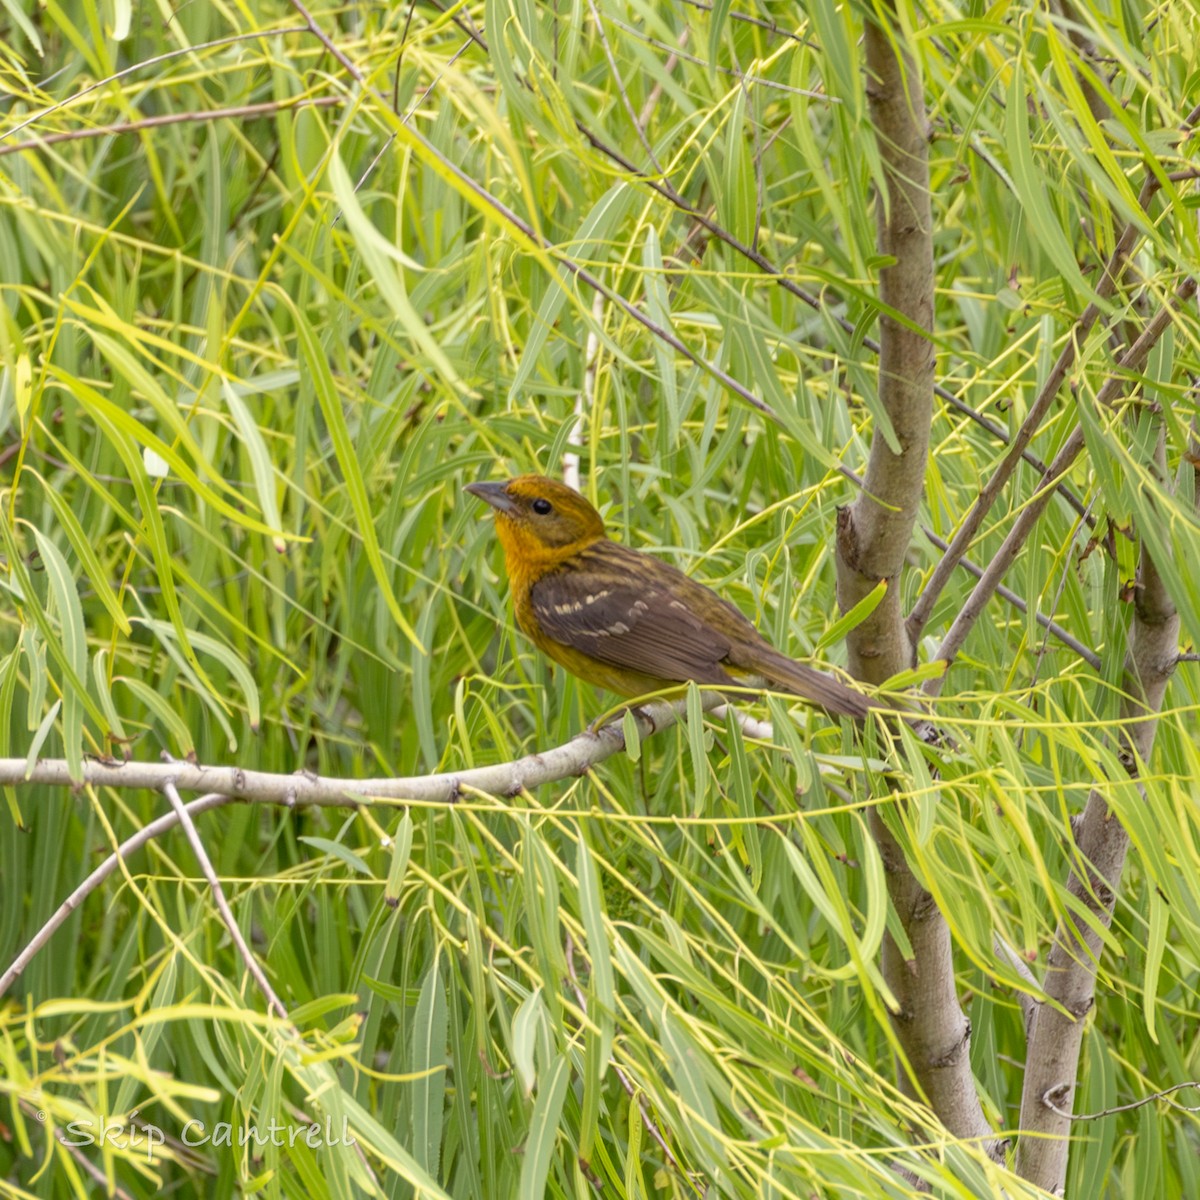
(260, 461)
(924, 805)
(40, 736)
(429, 1062)
(717, 19)
(401, 849)
(1156, 943)
(120, 426)
(543, 1130)
(542, 912)
(81, 544)
(125, 363)
(785, 731)
(22, 22)
(223, 654)
(369, 1130)
(156, 537)
(1031, 185)
(658, 309)
(378, 253)
(635, 1185)
(633, 735)
(74, 644)
(739, 772)
(343, 449)
(530, 1013)
(698, 746)
(9, 674)
(684, 1059)
(855, 617)
(595, 230)
(737, 200)
(338, 851)
(207, 696)
(877, 894)
(591, 904)
(305, 1014)
(170, 719)
(40, 637)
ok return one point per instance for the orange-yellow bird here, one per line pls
(624, 620)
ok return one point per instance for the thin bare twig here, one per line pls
(1009, 596)
(1006, 594)
(256, 972)
(369, 169)
(329, 43)
(183, 52)
(657, 90)
(131, 845)
(85, 1163)
(989, 493)
(756, 80)
(747, 18)
(1049, 1101)
(620, 82)
(1026, 1000)
(1062, 584)
(241, 112)
(1027, 519)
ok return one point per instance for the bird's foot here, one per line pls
(641, 712)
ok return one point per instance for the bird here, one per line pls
(627, 621)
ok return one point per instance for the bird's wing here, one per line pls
(630, 624)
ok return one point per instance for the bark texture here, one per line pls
(1055, 1038)
(873, 536)
(873, 533)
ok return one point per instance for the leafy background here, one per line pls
(248, 363)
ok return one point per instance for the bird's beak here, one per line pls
(495, 494)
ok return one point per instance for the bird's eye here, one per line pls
(541, 506)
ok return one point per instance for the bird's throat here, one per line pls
(526, 557)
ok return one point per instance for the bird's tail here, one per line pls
(838, 699)
(818, 688)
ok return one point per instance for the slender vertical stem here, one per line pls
(873, 536)
(1056, 1030)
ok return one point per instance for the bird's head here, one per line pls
(539, 520)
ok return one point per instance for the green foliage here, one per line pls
(247, 364)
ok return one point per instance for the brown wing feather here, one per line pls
(602, 605)
(630, 625)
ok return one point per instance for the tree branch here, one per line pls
(304, 788)
(129, 846)
(965, 534)
(1056, 1032)
(873, 537)
(874, 531)
(225, 785)
(663, 187)
(210, 873)
(1132, 361)
(240, 112)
